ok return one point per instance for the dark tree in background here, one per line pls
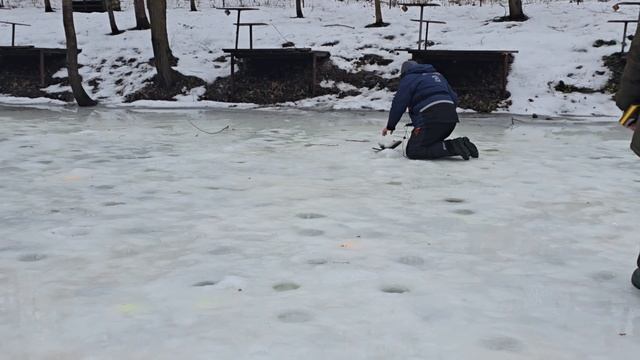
(112, 18)
(160, 41)
(72, 56)
(299, 9)
(142, 23)
(193, 5)
(515, 11)
(379, 22)
(47, 6)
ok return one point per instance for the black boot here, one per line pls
(473, 150)
(456, 147)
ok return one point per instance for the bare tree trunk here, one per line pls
(72, 56)
(193, 5)
(515, 10)
(142, 23)
(160, 41)
(47, 6)
(299, 9)
(378, 12)
(112, 18)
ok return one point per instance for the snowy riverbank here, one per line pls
(555, 44)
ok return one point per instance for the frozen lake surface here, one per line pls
(132, 235)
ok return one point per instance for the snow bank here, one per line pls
(555, 44)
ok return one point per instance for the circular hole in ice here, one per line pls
(317, 261)
(113, 203)
(310, 216)
(285, 287)
(223, 250)
(411, 260)
(395, 289)
(454, 200)
(310, 232)
(503, 343)
(603, 276)
(294, 316)
(32, 257)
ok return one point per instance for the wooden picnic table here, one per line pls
(422, 6)
(625, 3)
(239, 9)
(250, 25)
(280, 54)
(624, 33)
(13, 30)
(426, 32)
(31, 51)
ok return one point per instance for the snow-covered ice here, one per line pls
(128, 234)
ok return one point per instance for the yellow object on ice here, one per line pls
(630, 116)
(128, 309)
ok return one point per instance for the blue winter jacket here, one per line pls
(420, 87)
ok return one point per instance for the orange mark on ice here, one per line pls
(348, 245)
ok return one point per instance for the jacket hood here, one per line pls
(419, 69)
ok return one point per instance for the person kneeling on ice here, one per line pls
(432, 108)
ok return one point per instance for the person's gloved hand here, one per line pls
(385, 131)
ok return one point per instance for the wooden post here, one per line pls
(426, 36)
(250, 36)
(238, 29)
(233, 68)
(420, 31)
(314, 75)
(624, 37)
(505, 72)
(13, 35)
(42, 69)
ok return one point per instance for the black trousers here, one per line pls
(427, 142)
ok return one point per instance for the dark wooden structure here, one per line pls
(462, 67)
(88, 6)
(269, 61)
(278, 58)
(624, 32)
(28, 55)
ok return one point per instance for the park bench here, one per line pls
(265, 58)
